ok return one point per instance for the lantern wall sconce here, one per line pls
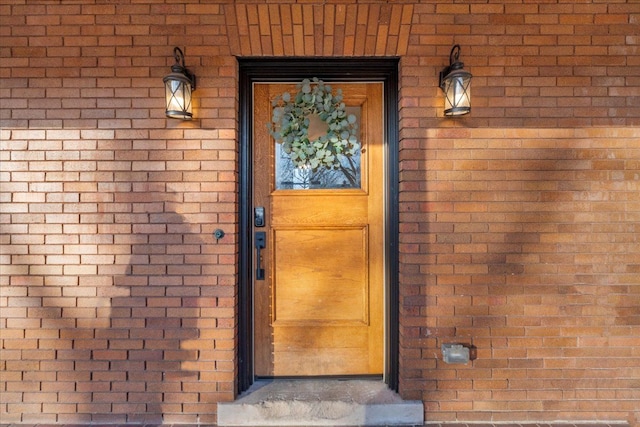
(455, 82)
(179, 85)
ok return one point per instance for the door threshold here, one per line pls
(377, 377)
(320, 402)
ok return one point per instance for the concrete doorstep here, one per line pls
(320, 403)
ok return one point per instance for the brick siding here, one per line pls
(519, 224)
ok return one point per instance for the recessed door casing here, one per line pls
(319, 309)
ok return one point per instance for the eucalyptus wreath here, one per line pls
(290, 126)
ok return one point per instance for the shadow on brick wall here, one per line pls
(131, 369)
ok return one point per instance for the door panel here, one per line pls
(319, 310)
(331, 290)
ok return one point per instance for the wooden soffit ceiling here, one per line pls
(293, 29)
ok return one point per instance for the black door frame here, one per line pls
(252, 70)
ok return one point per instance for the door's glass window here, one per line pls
(346, 175)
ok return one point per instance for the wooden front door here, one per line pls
(319, 285)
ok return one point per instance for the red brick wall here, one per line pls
(519, 223)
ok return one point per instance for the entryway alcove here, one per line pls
(333, 373)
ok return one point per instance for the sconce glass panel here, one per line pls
(457, 89)
(178, 94)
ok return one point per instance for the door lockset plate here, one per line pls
(258, 217)
(260, 243)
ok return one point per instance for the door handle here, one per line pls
(260, 243)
